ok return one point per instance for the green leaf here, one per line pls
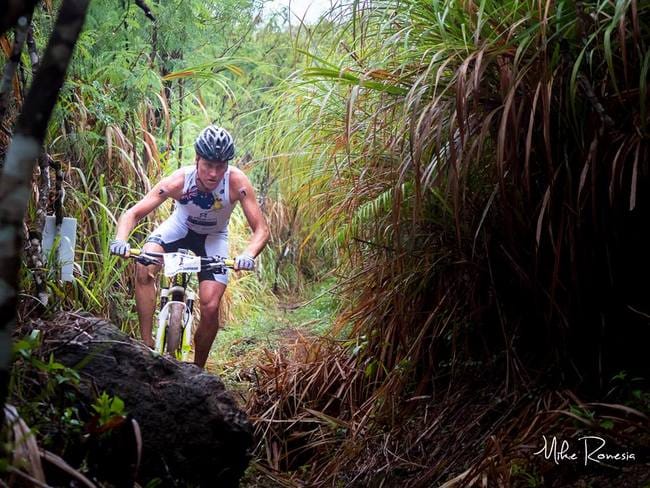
(607, 424)
(117, 405)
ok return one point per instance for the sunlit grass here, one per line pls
(242, 338)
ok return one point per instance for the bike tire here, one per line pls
(174, 335)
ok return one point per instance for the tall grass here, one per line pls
(123, 122)
(474, 156)
(481, 169)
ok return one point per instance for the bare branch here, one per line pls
(10, 68)
(595, 103)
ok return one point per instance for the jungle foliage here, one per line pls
(481, 169)
(473, 173)
(128, 114)
(135, 98)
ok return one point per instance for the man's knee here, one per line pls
(210, 311)
(210, 294)
(144, 275)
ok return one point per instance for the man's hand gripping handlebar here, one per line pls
(215, 264)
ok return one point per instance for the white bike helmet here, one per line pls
(215, 143)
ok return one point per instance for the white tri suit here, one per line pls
(199, 222)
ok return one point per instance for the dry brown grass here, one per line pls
(487, 194)
(316, 426)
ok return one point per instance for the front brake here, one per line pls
(218, 268)
(146, 260)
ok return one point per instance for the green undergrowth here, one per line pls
(240, 343)
(315, 309)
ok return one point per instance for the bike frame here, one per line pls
(176, 292)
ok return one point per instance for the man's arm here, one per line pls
(246, 196)
(169, 186)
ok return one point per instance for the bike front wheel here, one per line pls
(173, 337)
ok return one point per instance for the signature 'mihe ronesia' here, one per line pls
(590, 449)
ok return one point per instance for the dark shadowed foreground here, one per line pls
(192, 431)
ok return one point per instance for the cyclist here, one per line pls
(205, 194)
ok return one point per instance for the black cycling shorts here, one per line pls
(172, 237)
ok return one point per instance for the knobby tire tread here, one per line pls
(174, 329)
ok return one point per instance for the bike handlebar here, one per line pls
(209, 262)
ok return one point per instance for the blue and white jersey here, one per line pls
(204, 212)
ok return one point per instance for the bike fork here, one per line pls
(188, 325)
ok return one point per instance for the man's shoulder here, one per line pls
(183, 170)
(237, 175)
(179, 174)
(174, 182)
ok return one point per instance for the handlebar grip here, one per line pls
(229, 262)
(135, 252)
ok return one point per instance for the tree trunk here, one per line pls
(34, 244)
(10, 68)
(181, 101)
(15, 180)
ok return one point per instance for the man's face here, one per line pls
(210, 172)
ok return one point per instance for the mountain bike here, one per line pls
(175, 329)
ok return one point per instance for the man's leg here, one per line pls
(210, 293)
(145, 294)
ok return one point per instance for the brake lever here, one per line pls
(146, 260)
(219, 268)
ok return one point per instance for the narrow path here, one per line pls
(240, 347)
